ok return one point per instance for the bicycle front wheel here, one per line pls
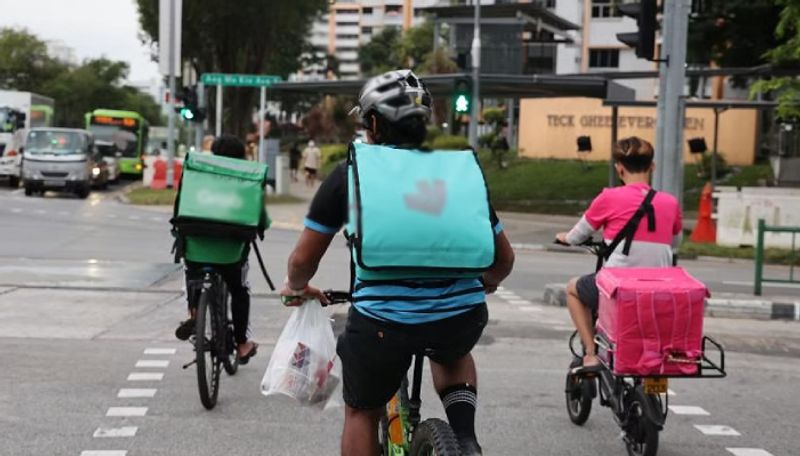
(434, 437)
(209, 365)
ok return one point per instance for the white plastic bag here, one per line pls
(303, 364)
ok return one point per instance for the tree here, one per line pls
(733, 33)
(24, 62)
(253, 37)
(381, 53)
(787, 53)
(416, 45)
(96, 84)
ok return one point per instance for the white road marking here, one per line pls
(671, 393)
(688, 410)
(159, 351)
(152, 363)
(104, 453)
(145, 376)
(748, 452)
(111, 216)
(511, 297)
(63, 213)
(157, 219)
(40, 211)
(126, 411)
(18, 191)
(713, 429)
(530, 308)
(125, 431)
(134, 217)
(501, 288)
(136, 392)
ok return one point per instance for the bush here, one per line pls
(433, 133)
(333, 153)
(487, 140)
(450, 142)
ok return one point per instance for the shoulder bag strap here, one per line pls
(627, 232)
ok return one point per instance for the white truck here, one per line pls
(19, 112)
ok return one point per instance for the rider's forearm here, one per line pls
(582, 231)
(300, 272)
(504, 262)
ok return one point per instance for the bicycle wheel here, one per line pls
(578, 393)
(209, 365)
(230, 355)
(434, 437)
(641, 435)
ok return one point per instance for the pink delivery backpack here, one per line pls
(652, 319)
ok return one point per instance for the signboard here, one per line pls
(116, 121)
(239, 80)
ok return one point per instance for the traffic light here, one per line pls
(462, 96)
(644, 41)
(190, 110)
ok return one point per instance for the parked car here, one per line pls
(111, 155)
(63, 159)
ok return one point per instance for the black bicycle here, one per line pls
(639, 403)
(401, 431)
(213, 340)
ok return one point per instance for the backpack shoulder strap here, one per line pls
(629, 230)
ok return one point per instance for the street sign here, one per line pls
(239, 80)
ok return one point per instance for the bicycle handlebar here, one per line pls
(333, 296)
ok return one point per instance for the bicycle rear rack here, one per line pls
(706, 367)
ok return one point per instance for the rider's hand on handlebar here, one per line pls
(289, 298)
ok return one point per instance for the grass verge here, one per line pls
(149, 197)
(771, 255)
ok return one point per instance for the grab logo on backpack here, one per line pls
(430, 198)
(417, 214)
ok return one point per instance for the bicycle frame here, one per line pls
(402, 421)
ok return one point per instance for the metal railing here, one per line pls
(764, 228)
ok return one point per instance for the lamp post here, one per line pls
(476, 69)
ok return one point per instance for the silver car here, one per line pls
(63, 159)
(111, 155)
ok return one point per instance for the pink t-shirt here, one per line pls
(611, 211)
(613, 207)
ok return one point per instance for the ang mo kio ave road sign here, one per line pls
(239, 80)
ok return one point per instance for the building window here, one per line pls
(343, 36)
(393, 10)
(603, 58)
(605, 8)
(343, 12)
(366, 10)
(366, 30)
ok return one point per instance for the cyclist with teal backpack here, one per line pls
(426, 248)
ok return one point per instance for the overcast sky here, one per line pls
(93, 28)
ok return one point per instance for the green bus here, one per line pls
(127, 129)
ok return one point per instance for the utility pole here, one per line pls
(171, 111)
(671, 101)
(199, 131)
(476, 70)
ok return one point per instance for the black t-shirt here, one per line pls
(328, 211)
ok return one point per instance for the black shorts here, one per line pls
(588, 292)
(311, 171)
(376, 355)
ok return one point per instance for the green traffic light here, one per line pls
(462, 103)
(187, 114)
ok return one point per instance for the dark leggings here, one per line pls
(235, 278)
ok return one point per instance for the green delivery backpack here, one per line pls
(417, 214)
(219, 208)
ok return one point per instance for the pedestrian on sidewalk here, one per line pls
(312, 158)
(294, 160)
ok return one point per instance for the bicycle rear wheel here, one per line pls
(434, 437)
(209, 364)
(641, 435)
(230, 355)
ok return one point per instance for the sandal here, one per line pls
(185, 329)
(246, 358)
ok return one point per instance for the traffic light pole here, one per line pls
(671, 102)
(476, 70)
(199, 131)
(171, 111)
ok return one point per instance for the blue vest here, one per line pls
(417, 214)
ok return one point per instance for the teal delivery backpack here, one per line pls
(417, 214)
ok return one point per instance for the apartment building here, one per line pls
(347, 25)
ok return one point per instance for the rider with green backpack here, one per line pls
(426, 248)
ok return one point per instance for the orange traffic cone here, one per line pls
(706, 230)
